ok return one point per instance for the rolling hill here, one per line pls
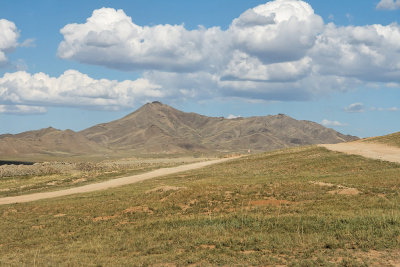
(48, 141)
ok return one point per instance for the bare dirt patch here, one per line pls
(368, 150)
(342, 190)
(380, 258)
(323, 184)
(79, 180)
(345, 191)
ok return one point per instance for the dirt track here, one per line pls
(368, 150)
(110, 183)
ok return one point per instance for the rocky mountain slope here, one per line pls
(159, 128)
(156, 127)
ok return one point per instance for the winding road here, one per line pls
(368, 150)
(110, 183)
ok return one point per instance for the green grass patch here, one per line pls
(264, 209)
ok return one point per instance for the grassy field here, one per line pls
(391, 139)
(50, 176)
(299, 207)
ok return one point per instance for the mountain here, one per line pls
(156, 127)
(159, 128)
(49, 141)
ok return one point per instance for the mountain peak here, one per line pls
(157, 127)
(154, 104)
(150, 108)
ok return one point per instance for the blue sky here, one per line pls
(72, 64)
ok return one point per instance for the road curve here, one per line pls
(368, 150)
(110, 183)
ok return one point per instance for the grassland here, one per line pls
(391, 139)
(302, 207)
(50, 176)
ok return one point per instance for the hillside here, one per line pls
(47, 141)
(303, 206)
(159, 128)
(390, 139)
(156, 127)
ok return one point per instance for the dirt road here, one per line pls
(110, 183)
(368, 150)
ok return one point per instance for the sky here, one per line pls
(74, 64)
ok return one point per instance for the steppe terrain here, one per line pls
(302, 206)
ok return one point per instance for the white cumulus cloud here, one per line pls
(73, 88)
(110, 38)
(247, 68)
(328, 123)
(9, 35)
(355, 108)
(388, 4)
(368, 53)
(280, 50)
(278, 31)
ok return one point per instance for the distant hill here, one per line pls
(159, 128)
(156, 127)
(49, 141)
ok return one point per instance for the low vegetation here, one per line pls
(302, 207)
(49, 176)
(391, 139)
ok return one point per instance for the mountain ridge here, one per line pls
(159, 128)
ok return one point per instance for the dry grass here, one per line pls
(391, 139)
(48, 176)
(266, 209)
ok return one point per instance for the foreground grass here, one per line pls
(262, 210)
(391, 139)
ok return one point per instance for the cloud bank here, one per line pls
(280, 50)
(21, 92)
(22, 109)
(360, 108)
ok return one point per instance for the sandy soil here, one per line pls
(368, 150)
(109, 184)
(342, 190)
